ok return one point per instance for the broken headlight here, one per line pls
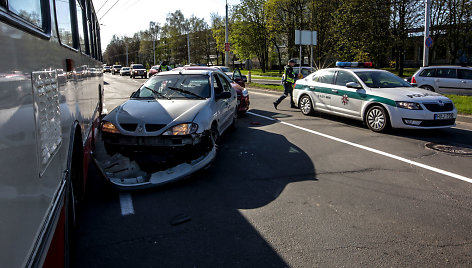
(109, 128)
(181, 129)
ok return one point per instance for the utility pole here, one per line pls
(188, 47)
(126, 45)
(427, 22)
(151, 31)
(226, 37)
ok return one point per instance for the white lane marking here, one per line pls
(126, 204)
(399, 158)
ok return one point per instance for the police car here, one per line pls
(377, 97)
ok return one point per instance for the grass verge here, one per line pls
(272, 87)
(463, 103)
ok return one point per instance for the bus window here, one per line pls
(64, 22)
(80, 25)
(29, 10)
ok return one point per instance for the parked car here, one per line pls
(115, 69)
(125, 71)
(305, 71)
(243, 94)
(235, 75)
(154, 70)
(444, 79)
(137, 70)
(378, 98)
(177, 116)
(107, 69)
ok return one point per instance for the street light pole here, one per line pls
(427, 22)
(226, 37)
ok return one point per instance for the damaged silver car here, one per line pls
(168, 128)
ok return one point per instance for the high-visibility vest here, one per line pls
(163, 68)
(288, 76)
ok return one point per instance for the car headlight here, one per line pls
(181, 129)
(409, 105)
(109, 128)
(245, 93)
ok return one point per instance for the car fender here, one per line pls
(367, 104)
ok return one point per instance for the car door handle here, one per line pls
(463, 81)
(334, 90)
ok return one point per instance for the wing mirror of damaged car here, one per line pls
(132, 94)
(224, 95)
(353, 85)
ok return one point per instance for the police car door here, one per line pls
(347, 100)
(321, 89)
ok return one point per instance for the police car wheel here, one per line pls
(305, 105)
(377, 119)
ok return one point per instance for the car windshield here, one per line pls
(175, 86)
(138, 66)
(117, 66)
(381, 79)
(125, 68)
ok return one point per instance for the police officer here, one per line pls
(163, 67)
(288, 79)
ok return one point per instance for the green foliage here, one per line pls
(463, 103)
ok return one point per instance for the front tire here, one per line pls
(306, 106)
(377, 119)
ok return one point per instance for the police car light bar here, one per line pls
(353, 64)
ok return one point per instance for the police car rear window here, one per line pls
(326, 77)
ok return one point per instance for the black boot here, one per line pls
(275, 105)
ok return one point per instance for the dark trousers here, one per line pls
(288, 90)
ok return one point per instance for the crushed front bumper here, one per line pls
(138, 167)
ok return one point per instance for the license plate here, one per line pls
(443, 116)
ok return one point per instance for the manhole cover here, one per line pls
(460, 150)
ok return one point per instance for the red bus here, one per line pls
(51, 88)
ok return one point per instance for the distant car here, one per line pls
(444, 79)
(125, 71)
(137, 70)
(154, 70)
(305, 71)
(107, 69)
(115, 69)
(378, 98)
(243, 94)
(235, 75)
(178, 116)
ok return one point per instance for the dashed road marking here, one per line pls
(126, 204)
(399, 158)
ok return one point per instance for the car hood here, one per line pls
(409, 94)
(163, 112)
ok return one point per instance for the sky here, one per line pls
(130, 16)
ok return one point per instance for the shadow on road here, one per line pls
(198, 222)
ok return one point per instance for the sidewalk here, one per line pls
(460, 117)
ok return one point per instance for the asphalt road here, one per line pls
(297, 191)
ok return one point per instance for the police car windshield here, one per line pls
(381, 79)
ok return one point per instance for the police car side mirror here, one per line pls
(353, 85)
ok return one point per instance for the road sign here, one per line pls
(227, 47)
(306, 37)
(429, 42)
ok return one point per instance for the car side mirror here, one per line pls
(353, 85)
(224, 95)
(132, 94)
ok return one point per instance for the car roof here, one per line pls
(189, 70)
(447, 66)
(354, 69)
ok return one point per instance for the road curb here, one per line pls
(264, 90)
(460, 118)
(464, 118)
